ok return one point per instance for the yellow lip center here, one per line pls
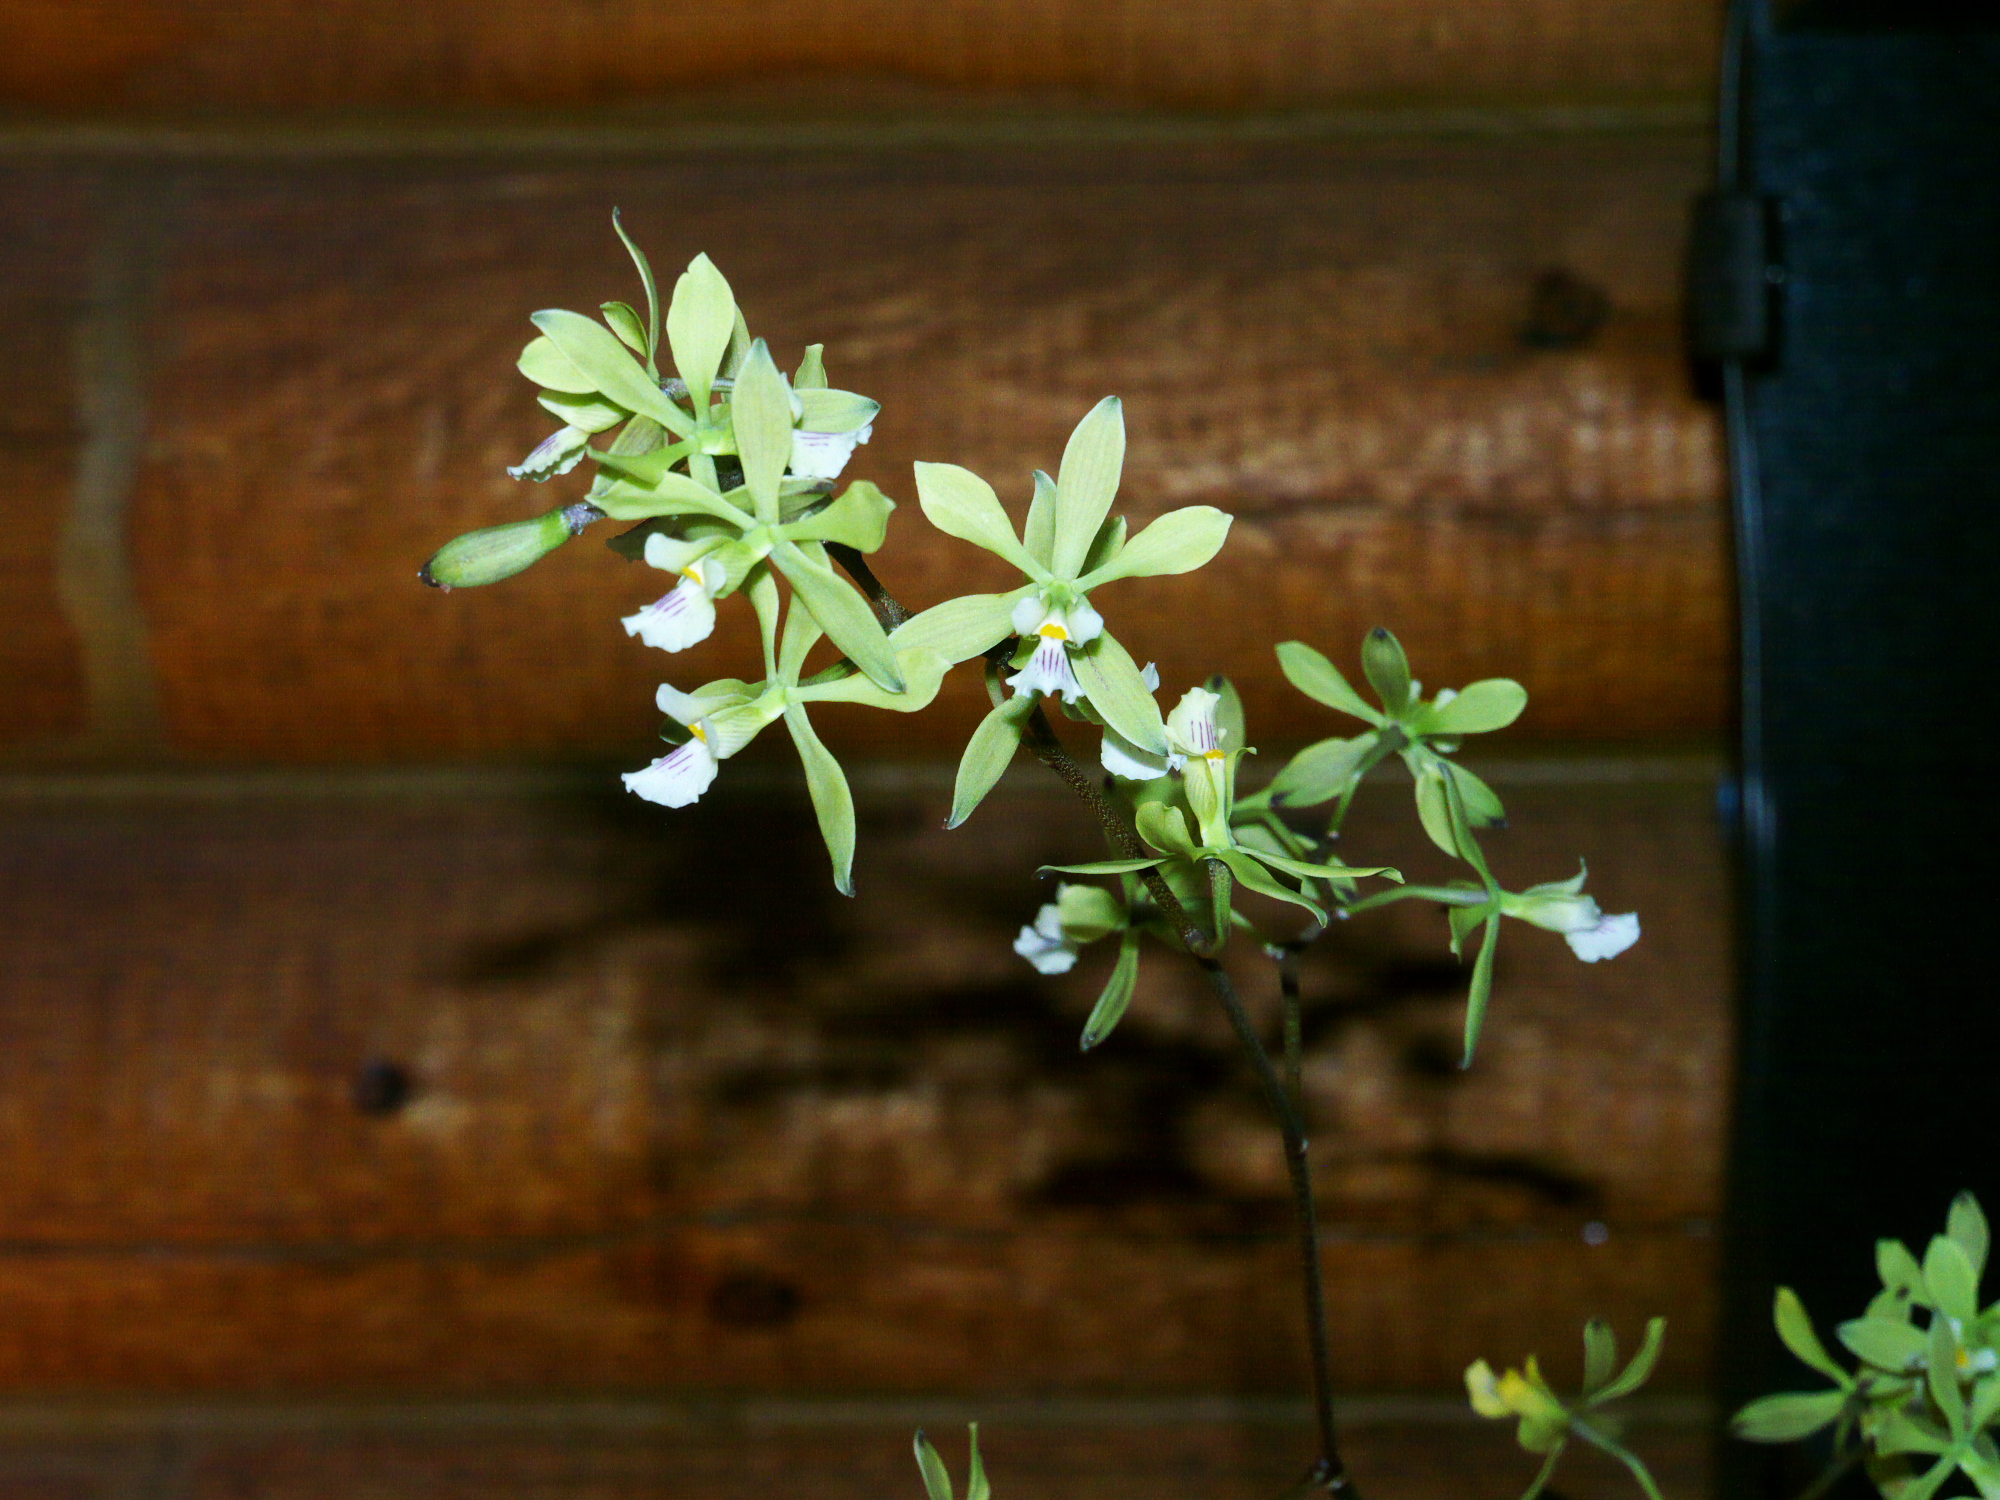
(1212, 755)
(698, 732)
(1054, 630)
(690, 573)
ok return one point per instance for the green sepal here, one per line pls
(1039, 536)
(1116, 995)
(1306, 869)
(645, 269)
(1481, 989)
(923, 673)
(585, 413)
(1941, 1375)
(1900, 1272)
(1252, 876)
(1600, 1356)
(1117, 691)
(961, 504)
(1387, 669)
(1787, 1417)
(960, 629)
(700, 320)
(1323, 771)
(1165, 828)
(987, 754)
(831, 799)
(1178, 542)
(1320, 680)
(1087, 482)
(1965, 1226)
(1640, 1369)
(811, 374)
(937, 1483)
(1795, 1330)
(1493, 703)
(1884, 1343)
(761, 409)
(835, 411)
(1105, 545)
(1106, 866)
(1949, 1278)
(608, 365)
(649, 492)
(976, 1487)
(858, 518)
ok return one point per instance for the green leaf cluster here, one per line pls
(1924, 1398)
(937, 1479)
(1547, 1422)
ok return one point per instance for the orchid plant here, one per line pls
(725, 471)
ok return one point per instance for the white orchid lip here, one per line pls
(1044, 945)
(822, 455)
(1608, 937)
(685, 616)
(1048, 672)
(679, 777)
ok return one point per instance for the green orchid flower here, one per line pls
(717, 720)
(1547, 1423)
(1068, 550)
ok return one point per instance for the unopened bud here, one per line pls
(499, 552)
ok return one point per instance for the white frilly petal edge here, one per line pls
(1124, 759)
(1044, 945)
(678, 620)
(554, 455)
(677, 778)
(822, 455)
(1048, 671)
(1609, 937)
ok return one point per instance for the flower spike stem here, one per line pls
(887, 607)
(1330, 1475)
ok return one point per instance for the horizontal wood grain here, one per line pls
(158, 55)
(1335, 340)
(679, 1116)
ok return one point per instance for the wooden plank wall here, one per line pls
(1397, 284)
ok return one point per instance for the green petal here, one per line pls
(976, 1487)
(1600, 1355)
(1787, 1418)
(1320, 680)
(1493, 703)
(1641, 1369)
(1481, 989)
(1117, 691)
(937, 1483)
(811, 374)
(700, 320)
(859, 518)
(802, 633)
(623, 321)
(1087, 483)
(1251, 876)
(1321, 772)
(960, 629)
(608, 365)
(1386, 668)
(961, 504)
(1105, 866)
(645, 269)
(1178, 542)
(542, 362)
(761, 409)
(1165, 827)
(1311, 870)
(987, 754)
(640, 498)
(841, 611)
(1966, 1227)
(832, 801)
(1883, 1342)
(1795, 1329)
(1948, 1277)
(1116, 995)
(923, 672)
(835, 411)
(587, 413)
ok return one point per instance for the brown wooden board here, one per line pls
(45, 238)
(290, 56)
(1342, 342)
(678, 1116)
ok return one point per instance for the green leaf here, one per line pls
(587, 413)
(811, 374)
(761, 409)
(1493, 703)
(831, 799)
(1787, 1418)
(1949, 1278)
(1116, 995)
(1320, 680)
(1040, 534)
(976, 1487)
(1640, 1370)
(1253, 877)
(1322, 771)
(645, 269)
(1178, 542)
(1481, 989)
(960, 629)
(858, 518)
(700, 320)
(1087, 482)
(1966, 1227)
(1386, 668)
(1111, 679)
(624, 322)
(835, 411)
(1941, 1374)
(1883, 1343)
(961, 504)
(987, 754)
(1600, 1355)
(608, 366)
(841, 611)
(1795, 1328)
(937, 1483)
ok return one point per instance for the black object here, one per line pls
(381, 1087)
(1862, 390)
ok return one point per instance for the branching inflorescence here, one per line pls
(725, 468)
